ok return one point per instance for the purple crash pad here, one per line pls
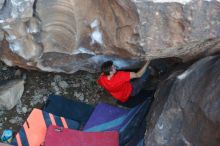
(127, 122)
(107, 117)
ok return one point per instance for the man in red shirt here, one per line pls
(121, 84)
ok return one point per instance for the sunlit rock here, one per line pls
(187, 107)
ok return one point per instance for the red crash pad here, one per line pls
(58, 136)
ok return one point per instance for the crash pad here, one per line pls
(127, 122)
(67, 108)
(58, 136)
(34, 129)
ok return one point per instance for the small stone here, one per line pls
(77, 95)
(37, 97)
(42, 91)
(93, 100)
(76, 85)
(24, 77)
(18, 109)
(57, 78)
(1, 113)
(4, 68)
(81, 98)
(63, 84)
(56, 89)
(18, 73)
(45, 98)
(12, 121)
(24, 110)
(29, 109)
(33, 102)
(15, 120)
(53, 84)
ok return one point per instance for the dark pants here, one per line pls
(137, 94)
(138, 84)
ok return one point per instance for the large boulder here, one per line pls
(187, 107)
(1, 3)
(187, 29)
(10, 93)
(71, 35)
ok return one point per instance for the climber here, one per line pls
(121, 84)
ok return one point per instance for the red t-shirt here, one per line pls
(119, 85)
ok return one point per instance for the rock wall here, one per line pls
(186, 108)
(185, 30)
(71, 35)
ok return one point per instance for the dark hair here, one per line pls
(106, 67)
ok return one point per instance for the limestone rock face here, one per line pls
(186, 108)
(71, 35)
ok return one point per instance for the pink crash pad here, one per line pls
(58, 136)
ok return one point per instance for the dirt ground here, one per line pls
(79, 86)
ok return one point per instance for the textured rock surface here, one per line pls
(15, 10)
(10, 93)
(71, 35)
(186, 108)
(174, 29)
